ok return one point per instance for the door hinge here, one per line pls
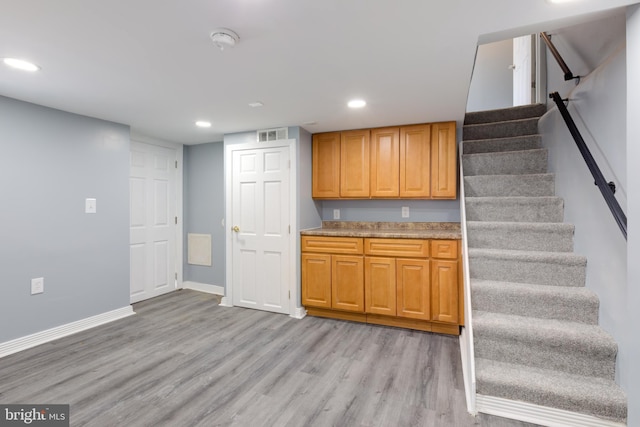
(289, 294)
(176, 220)
(176, 275)
(289, 229)
(176, 164)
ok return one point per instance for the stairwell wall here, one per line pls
(599, 108)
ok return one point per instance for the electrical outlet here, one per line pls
(37, 285)
(405, 212)
(336, 214)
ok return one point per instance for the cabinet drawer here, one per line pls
(447, 249)
(334, 245)
(416, 248)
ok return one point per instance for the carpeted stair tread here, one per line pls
(571, 347)
(525, 162)
(543, 268)
(502, 114)
(588, 395)
(528, 126)
(533, 236)
(570, 303)
(516, 143)
(515, 209)
(535, 185)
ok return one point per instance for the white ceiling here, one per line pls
(150, 63)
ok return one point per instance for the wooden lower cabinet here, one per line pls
(347, 283)
(380, 285)
(413, 289)
(416, 292)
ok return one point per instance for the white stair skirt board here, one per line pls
(23, 343)
(204, 287)
(536, 414)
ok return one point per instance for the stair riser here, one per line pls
(514, 211)
(509, 186)
(579, 309)
(533, 272)
(517, 113)
(526, 240)
(572, 359)
(502, 144)
(505, 163)
(528, 393)
(501, 129)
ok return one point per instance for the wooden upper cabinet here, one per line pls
(443, 161)
(415, 161)
(354, 163)
(326, 165)
(385, 162)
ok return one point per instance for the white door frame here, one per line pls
(179, 199)
(227, 300)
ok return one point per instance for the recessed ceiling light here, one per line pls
(256, 104)
(203, 124)
(357, 103)
(20, 64)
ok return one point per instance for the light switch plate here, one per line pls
(90, 206)
(405, 212)
(37, 285)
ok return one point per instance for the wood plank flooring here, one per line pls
(184, 361)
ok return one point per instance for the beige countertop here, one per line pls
(391, 230)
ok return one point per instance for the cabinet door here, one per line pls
(415, 161)
(380, 285)
(316, 280)
(443, 161)
(444, 291)
(412, 284)
(354, 164)
(325, 166)
(347, 283)
(385, 162)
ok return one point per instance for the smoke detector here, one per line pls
(223, 37)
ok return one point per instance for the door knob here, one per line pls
(236, 228)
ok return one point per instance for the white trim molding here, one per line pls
(536, 414)
(298, 313)
(203, 287)
(23, 343)
(224, 302)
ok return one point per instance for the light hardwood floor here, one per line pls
(184, 361)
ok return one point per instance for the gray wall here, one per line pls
(391, 210)
(599, 108)
(492, 81)
(630, 377)
(53, 161)
(204, 208)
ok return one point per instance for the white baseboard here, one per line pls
(203, 287)
(536, 414)
(225, 302)
(23, 343)
(299, 313)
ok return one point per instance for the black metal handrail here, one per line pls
(606, 188)
(568, 75)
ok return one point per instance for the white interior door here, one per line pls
(523, 71)
(152, 192)
(261, 227)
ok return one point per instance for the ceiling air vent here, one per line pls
(265, 135)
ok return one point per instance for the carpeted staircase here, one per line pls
(535, 325)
